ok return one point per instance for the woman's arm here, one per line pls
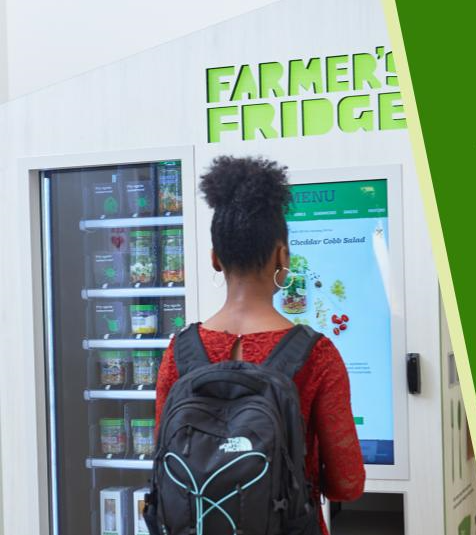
(342, 474)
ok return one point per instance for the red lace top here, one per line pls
(334, 460)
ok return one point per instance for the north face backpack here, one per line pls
(231, 445)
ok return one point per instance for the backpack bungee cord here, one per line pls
(199, 493)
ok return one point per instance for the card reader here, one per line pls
(413, 373)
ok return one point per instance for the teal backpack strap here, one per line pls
(292, 351)
(189, 352)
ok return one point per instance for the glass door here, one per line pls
(116, 288)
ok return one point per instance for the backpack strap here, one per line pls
(292, 351)
(189, 352)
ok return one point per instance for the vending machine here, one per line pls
(124, 236)
(119, 281)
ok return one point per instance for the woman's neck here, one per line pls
(248, 307)
(248, 292)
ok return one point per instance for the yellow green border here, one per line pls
(432, 215)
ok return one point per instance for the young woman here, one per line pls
(250, 247)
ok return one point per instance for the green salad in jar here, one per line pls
(143, 257)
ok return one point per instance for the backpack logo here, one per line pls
(236, 444)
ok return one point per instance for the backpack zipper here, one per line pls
(188, 440)
(290, 466)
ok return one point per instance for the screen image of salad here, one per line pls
(294, 300)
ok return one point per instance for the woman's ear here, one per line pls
(282, 256)
(216, 262)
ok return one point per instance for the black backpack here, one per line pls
(231, 445)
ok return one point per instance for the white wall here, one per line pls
(3, 53)
(158, 98)
(52, 40)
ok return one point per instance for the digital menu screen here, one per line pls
(338, 237)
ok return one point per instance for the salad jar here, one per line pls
(143, 436)
(170, 190)
(144, 319)
(113, 436)
(293, 299)
(172, 257)
(143, 258)
(145, 365)
(112, 365)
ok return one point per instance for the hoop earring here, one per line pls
(289, 273)
(214, 281)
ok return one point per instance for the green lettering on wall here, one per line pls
(214, 83)
(270, 75)
(245, 85)
(349, 119)
(289, 124)
(392, 79)
(365, 66)
(216, 125)
(317, 116)
(258, 117)
(387, 110)
(336, 67)
(273, 110)
(305, 76)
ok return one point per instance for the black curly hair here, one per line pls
(249, 197)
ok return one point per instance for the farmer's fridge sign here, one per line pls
(304, 97)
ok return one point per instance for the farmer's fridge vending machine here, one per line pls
(120, 280)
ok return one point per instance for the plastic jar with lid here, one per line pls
(113, 436)
(143, 257)
(144, 319)
(170, 188)
(112, 365)
(172, 257)
(145, 365)
(143, 436)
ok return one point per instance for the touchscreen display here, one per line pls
(338, 237)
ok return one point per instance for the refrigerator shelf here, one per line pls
(124, 464)
(128, 222)
(177, 291)
(132, 343)
(119, 394)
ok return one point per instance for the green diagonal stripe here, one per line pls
(440, 46)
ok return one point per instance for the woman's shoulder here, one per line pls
(324, 349)
(324, 360)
